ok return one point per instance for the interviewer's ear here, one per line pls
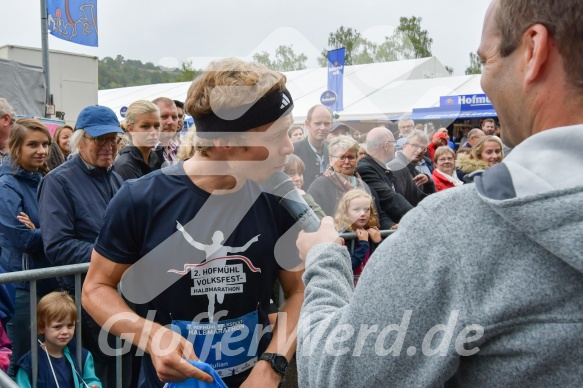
(537, 45)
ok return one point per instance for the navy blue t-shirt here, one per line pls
(195, 255)
(63, 371)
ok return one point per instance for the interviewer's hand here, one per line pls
(326, 233)
(169, 352)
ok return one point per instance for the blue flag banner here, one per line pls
(336, 76)
(73, 20)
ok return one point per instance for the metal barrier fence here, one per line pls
(78, 270)
(39, 274)
(352, 237)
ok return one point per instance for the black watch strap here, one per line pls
(277, 361)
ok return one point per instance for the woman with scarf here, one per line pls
(444, 175)
(341, 177)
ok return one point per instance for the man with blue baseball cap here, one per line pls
(72, 202)
(98, 127)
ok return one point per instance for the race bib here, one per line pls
(229, 346)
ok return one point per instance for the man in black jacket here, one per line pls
(380, 146)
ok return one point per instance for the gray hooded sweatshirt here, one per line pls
(487, 298)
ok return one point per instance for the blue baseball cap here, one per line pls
(98, 120)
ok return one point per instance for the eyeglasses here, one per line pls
(450, 159)
(344, 158)
(417, 147)
(100, 140)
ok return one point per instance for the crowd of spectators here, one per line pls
(62, 184)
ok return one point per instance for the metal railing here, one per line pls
(78, 270)
(352, 237)
(33, 276)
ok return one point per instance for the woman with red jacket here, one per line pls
(444, 175)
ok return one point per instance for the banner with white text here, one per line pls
(336, 76)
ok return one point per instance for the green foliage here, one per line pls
(449, 69)
(408, 41)
(285, 59)
(475, 66)
(359, 50)
(418, 40)
(121, 72)
(187, 72)
(347, 38)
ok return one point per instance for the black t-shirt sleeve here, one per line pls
(118, 240)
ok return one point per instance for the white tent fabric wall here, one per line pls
(374, 91)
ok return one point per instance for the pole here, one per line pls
(45, 52)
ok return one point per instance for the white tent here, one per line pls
(374, 92)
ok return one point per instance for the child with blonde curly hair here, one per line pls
(356, 213)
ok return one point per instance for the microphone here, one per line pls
(280, 185)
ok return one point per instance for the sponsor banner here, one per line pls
(336, 77)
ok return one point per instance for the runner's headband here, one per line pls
(245, 117)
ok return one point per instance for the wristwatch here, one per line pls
(278, 362)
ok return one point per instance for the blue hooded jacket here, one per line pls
(20, 247)
(72, 200)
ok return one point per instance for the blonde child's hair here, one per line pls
(341, 219)
(56, 306)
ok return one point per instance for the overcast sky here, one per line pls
(171, 31)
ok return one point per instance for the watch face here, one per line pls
(280, 363)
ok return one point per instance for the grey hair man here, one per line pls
(507, 299)
(405, 125)
(380, 146)
(409, 182)
(7, 118)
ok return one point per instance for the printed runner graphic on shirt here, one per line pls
(214, 277)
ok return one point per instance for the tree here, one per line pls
(364, 51)
(187, 72)
(475, 66)
(418, 40)
(449, 69)
(121, 72)
(394, 48)
(408, 41)
(348, 38)
(285, 59)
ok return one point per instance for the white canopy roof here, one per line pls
(375, 91)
